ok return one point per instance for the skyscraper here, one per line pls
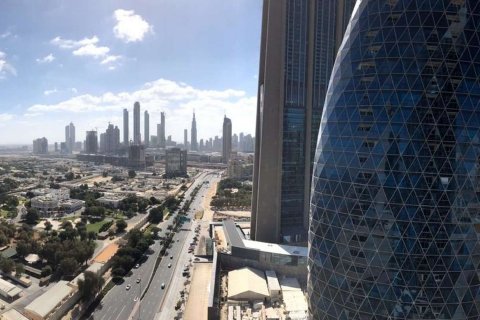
(70, 137)
(91, 142)
(146, 128)
(161, 134)
(137, 137)
(40, 146)
(185, 139)
(125, 127)
(394, 230)
(193, 140)
(227, 139)
(298, 46)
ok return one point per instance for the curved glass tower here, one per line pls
(395, 208)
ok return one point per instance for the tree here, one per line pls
(132, 174)
(156, 214)
(92, 235)
(32, 216)
(23, 248)
(155, 231)
(19, 270)
(118, 272)
(46, 271)
(7, 265)
(68, 266)
(121, 225)
(48, 226)
(90, 285)
(69, 176)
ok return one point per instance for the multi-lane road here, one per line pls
(123, 304)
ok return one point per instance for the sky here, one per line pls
(85, 61)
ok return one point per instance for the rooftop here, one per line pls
(247, 284)
(276, 248)
(50, 299)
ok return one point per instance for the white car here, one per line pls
(128, 287)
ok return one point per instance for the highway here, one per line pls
(122, 304)
(157, 301)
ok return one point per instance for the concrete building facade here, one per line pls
(137, 137)
(227, 140)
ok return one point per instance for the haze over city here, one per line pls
(65, 61)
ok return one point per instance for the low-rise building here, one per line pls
(51, 304)
(240, 169)
(247, 284)
(9, 290)
(111, 199)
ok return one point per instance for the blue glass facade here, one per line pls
(395, 206)
(294, 110)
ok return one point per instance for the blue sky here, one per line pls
(84, 61)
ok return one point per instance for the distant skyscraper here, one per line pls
(394, 225)
(146, 128)
(298, 47)
(227, 139)
(91, 142)
(161, 134)
(235, 142)
(137, 137)
(70, 137)
(201, 146)
(125, 127)
(40, 146)
(193, 142)
(185, 139)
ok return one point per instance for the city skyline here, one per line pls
(104, 57)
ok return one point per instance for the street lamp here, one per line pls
(139, 298)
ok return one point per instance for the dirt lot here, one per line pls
(197, 303)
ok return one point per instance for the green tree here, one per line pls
(90, 285)
(69, 176)
(132, 174)
(48, 226)
(156, 214)
(7, 265)
(121, 225)
(46, 271)
(68, 266)
(23, 248)
(19, 270)
(32, 216)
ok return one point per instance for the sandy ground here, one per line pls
(197, 303)
(208, 213)
(107, 253)
(98, 179)
(235, 214)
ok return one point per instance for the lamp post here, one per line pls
(140, 298)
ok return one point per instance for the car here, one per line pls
(137, 266)
(138, 280)
(163, 286)
(169, 265)
(128, 287)
(171, 257)
(197, 259)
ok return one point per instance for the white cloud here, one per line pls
(47, 59)
(72, 44)
(87, 47)
(91, 50)
(49, 92)
(6, 34)
(5, 117)
(74, 90)
(110, 59)
(5, 67)
(130, 27)
(177, 99)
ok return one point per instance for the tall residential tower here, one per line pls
(137, 137)
(227, 139)
(298, 47)
(70, 137)
(146, 128)
(193, 140)
(125, 127)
